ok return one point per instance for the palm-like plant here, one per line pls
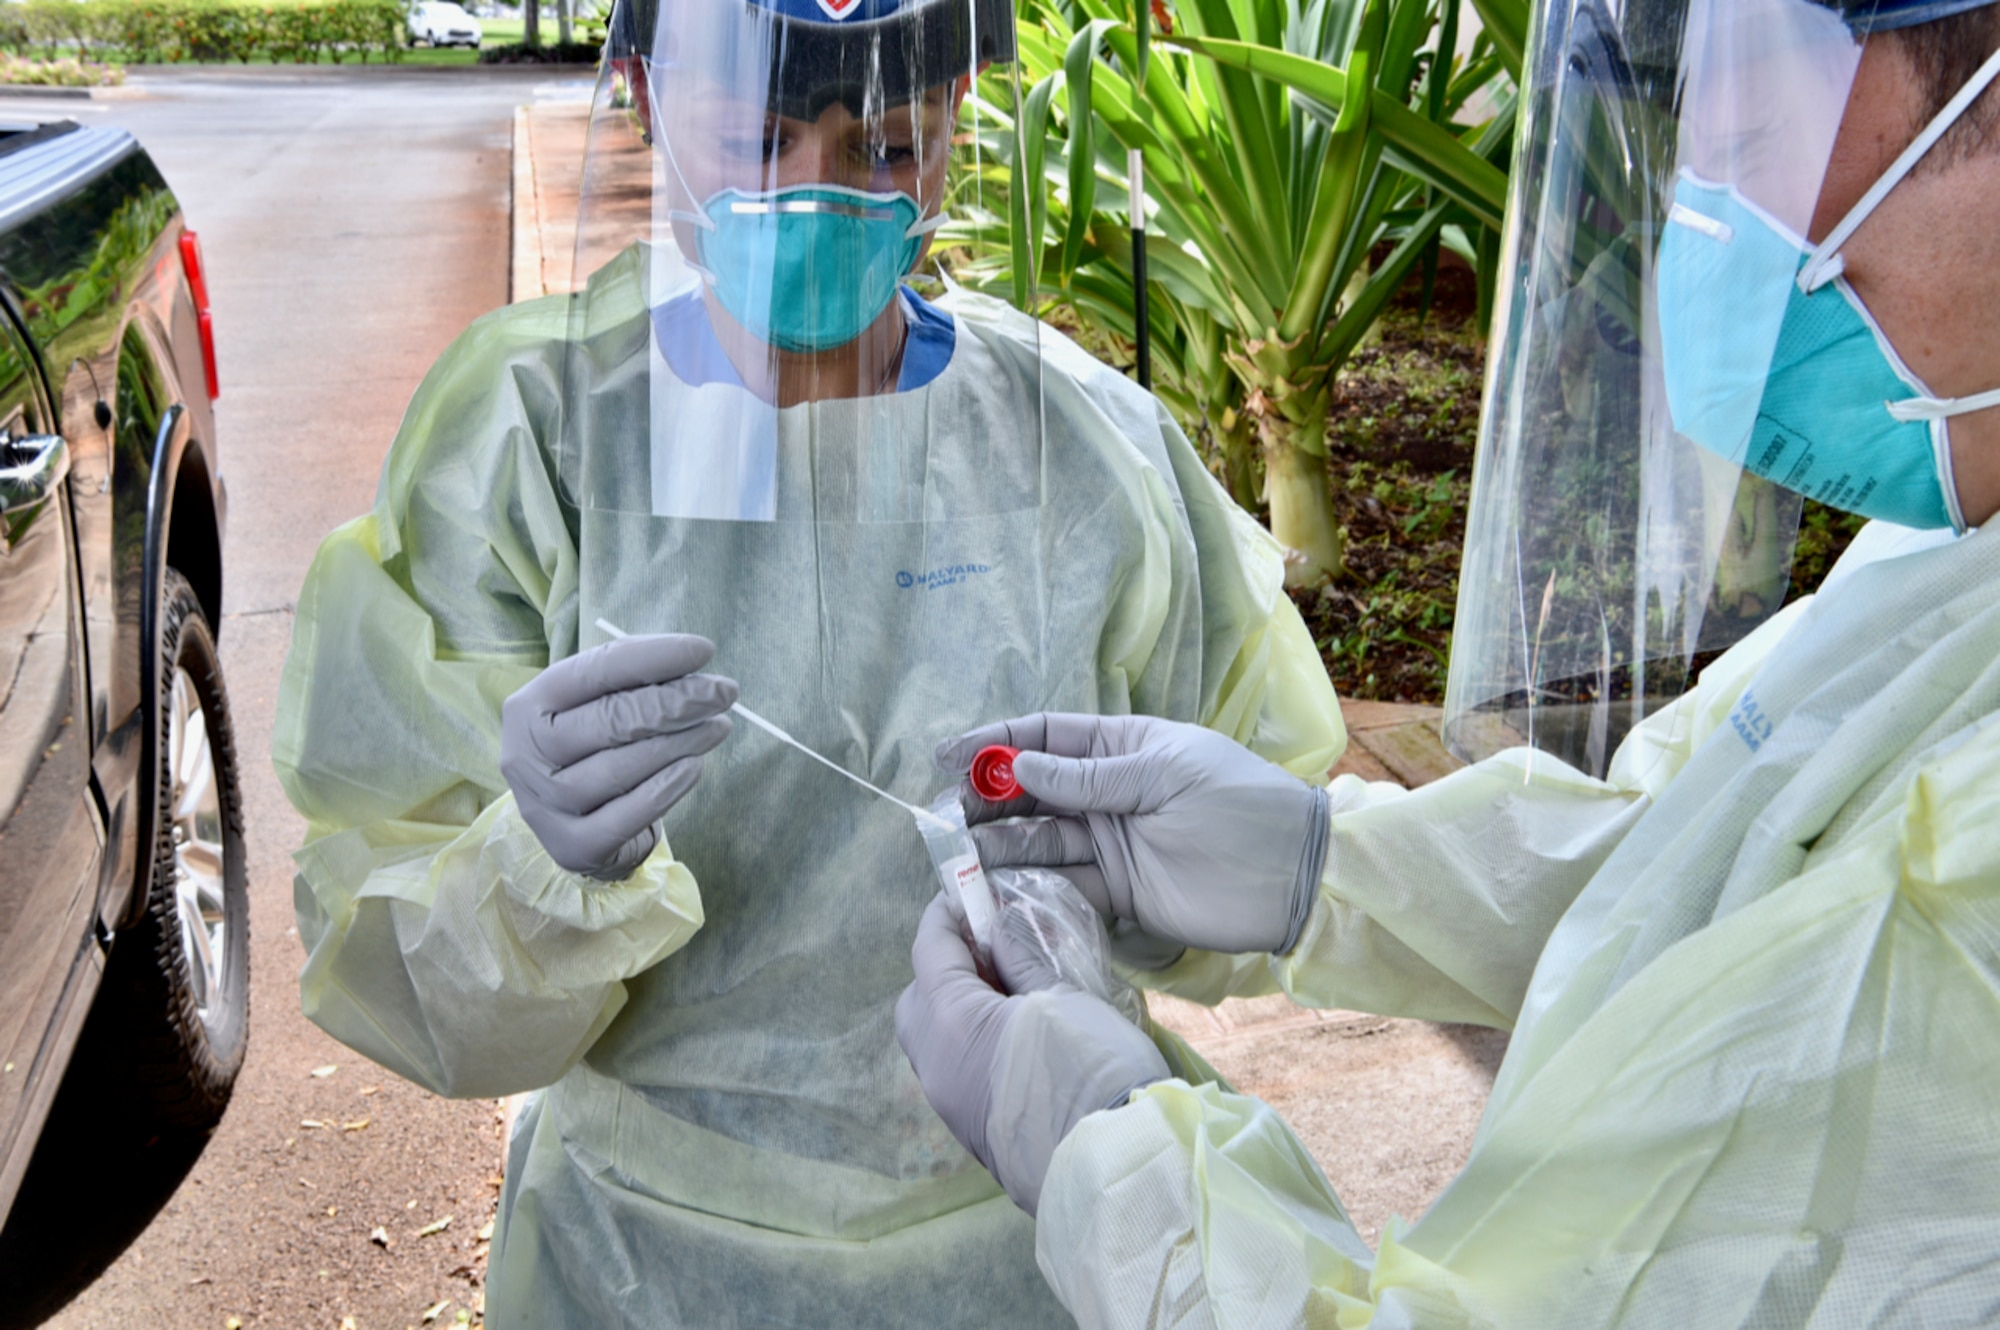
(1284, 143)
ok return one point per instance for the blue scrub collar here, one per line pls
(687, 339)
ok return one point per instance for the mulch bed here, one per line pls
(1400, 446)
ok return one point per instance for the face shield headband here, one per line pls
(864, 64)
(1866, 17)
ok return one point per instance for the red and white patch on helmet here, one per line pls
(839, 9)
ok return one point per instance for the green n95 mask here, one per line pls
(1800, 387)
(1772, 360)
(809, 267)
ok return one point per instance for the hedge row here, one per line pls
(170, 31)
(549, 53)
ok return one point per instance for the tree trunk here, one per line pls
(1302, 502)
(1239, 462)
(562, 22)
(531, 23)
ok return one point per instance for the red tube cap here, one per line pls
(993, 773)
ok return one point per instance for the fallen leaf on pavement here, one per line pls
(371, 1089)
(486, 1234)
(435, 1226)
(432, 1314)
(355, 1125)
(311, 1124)
(233, 1323)
(347, 1323)
(198, 1279)
(379, 1236)
(323, 1072)
(332, 1210)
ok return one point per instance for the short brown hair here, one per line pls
(1945, 54)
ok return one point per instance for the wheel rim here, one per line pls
(198, 849)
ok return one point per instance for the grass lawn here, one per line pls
(424, 55)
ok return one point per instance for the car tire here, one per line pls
(166, 1036)
(190, 953)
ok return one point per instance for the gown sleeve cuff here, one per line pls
(659, 895)
(1186, 1195)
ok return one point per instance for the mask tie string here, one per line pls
(1825, 264)
(1942, 408)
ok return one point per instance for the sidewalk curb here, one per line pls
(40, 90)
(524, 281)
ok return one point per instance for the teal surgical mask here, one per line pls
(1771, 359)
(807, 267)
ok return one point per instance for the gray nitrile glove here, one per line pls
(1012, 1075)
(1186, 833)
(599, 746)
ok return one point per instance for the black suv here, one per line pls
(124, 947)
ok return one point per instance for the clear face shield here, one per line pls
(762, 179)
(1674, 364)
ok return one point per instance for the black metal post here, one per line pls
(1135, 168)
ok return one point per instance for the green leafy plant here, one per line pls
(1301, 159)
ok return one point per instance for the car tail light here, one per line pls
(198, 288)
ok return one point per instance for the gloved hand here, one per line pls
(1011, 1075)
(1186, 833)
(599, 746)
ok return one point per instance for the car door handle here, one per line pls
(30, 469)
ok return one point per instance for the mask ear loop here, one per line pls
(1825, 264)
(1937, 413)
